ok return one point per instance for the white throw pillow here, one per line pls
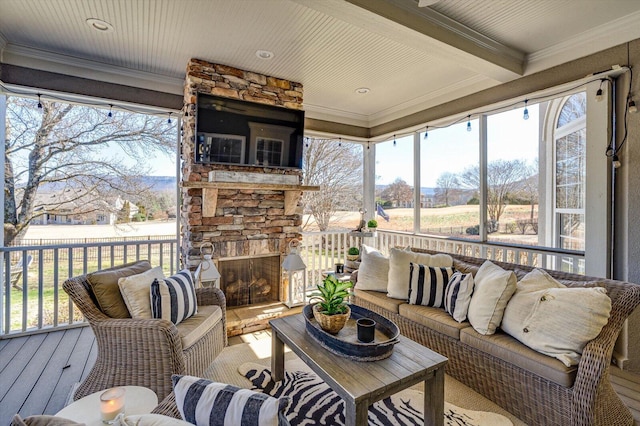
(136, 290)
(494, 287)
(399, 260)
(373, 273)
(457, 295)
(527, 294)
(200, 400)
(555, 320)
(152, 420)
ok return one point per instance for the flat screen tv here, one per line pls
(231, 131)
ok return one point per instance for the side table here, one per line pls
(138, 400)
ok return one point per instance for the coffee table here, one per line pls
(360, 384)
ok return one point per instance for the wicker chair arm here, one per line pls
(168, 407)
(214, 296)
(138, 331)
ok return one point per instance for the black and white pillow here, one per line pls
(427, 284)
(174, 298)
(458, 295)
(203, 402)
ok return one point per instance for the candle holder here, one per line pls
(366, 329)
(111, 404)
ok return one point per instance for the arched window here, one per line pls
(570, 137)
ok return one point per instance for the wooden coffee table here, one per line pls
(360, 384)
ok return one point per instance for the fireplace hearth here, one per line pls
(251, 280)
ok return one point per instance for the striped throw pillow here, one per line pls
(203, 403)
(427, 283)
(458, 295)
(174, 298)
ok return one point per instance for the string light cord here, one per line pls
(611, 152)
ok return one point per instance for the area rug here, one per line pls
(314, 403)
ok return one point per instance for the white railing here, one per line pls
(45, 306)
(31, 296)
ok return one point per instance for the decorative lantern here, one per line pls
(207, 274)
(294, 277)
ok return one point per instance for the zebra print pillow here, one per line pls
(203, 403)
(174, 298)
(458, 295)
(426, 284)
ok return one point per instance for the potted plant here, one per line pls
(372, 224)
(331, 310)
(353, 253)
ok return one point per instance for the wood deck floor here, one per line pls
(38, 371)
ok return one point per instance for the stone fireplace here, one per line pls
(249, 213)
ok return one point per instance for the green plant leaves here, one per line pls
(331, 295)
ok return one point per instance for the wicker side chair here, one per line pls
(145, 352)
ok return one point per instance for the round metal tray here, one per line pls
(345, 343)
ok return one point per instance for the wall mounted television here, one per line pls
(231, 131)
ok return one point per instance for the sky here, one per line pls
(452, 149)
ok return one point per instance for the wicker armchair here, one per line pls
(144, 352)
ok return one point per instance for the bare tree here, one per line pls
(503, 178)
(447, 184)
(337, 169)
(398, 192)
(68, 146)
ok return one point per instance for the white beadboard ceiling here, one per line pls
(410, 57)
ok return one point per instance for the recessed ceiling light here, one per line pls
(362, 90)
(100, 25)
(264, 54)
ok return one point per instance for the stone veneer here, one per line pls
(248, 222)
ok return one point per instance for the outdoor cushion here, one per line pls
(427, 284)
(136, 292)
(398, 287)
(152, 420)
(174, 298)
(457, 295)
(380, 299)
(494, 287)
(196, 326)
(104, 285)
(373, 273)
(42, 421)
(508, 349)
(434, 318)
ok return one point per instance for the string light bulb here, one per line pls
(615, 161)
(110, 114)
(468, 123)
(39, 101)
(339, 141)
(426, 133)
(306, 142)
(525, 114)
(599, 92)
(169, 119)
(394, 140)
(632, 106)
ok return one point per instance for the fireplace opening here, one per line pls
(246, 281)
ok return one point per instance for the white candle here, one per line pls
(111, 404)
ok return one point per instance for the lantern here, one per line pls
(207, 274)
(294, 277)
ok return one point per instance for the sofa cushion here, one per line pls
(196, 326)
(43, 420)
(152, 420)
(174, 298)
(136, 292)
(373, 273)
(427, 284)
(494, 287)
(399, 260)
(457, 295)
(104, 285)
(203, 402)
(507, 348)
(380, 299)
(434, 318)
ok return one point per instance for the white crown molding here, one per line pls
(329, 114)
(602, 37)
(40, 59)
(434, 98)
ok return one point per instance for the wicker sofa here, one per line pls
(146, 352)
(536, 388)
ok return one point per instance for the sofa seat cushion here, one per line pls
(380, 299)
(505, 347)
(196, 326)
(436, 319)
